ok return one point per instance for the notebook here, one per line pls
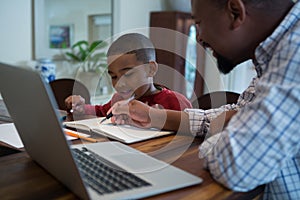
(32, 107)
(124, 133)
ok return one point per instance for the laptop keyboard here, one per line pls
(104, 176)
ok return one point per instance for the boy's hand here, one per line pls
(75, 104)
(134, 113)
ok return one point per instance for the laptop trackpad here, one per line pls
(139, 163)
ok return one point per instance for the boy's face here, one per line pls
(129, 77)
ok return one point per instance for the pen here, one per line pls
(79, 136)
(111, 114)
(107, 117)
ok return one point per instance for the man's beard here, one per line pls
(224, 64)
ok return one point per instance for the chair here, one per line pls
(62, 88)
(215, 99)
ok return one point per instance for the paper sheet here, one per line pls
(9, 135)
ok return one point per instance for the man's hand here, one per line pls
(134, 113)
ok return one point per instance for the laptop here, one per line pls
(120, 172)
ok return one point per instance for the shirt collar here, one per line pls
(265, 50)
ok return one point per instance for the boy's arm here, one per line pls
(101, 110)
(97, 110)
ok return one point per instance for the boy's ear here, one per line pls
(153, 68)
(237, 11)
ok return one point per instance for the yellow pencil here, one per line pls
(79, 136)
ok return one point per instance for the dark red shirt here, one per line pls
(166, 99)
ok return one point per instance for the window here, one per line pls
(191, 62)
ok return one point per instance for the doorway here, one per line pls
(100, 27)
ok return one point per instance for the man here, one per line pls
(260, 144)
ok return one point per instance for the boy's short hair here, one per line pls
(133, 43)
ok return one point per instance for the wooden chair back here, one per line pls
(215, 99)
(62, 88)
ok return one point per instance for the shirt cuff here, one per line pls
(199, 124)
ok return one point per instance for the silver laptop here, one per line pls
(120, 172)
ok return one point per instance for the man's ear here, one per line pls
(237, 11)
(153, 68)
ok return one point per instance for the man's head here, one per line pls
(234, 28)
(131, 64)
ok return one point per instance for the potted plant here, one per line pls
(91, 59)
(91, 56)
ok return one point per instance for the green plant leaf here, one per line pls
(94, 45)
(93, 61)
(104, 65)
(99, 56)
(72, 56)
(99, 44)
(83, 53)
(80, 43)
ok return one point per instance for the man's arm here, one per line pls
(141, 115)
(170, 120)
(220, 122)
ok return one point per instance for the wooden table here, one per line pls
(22, 178)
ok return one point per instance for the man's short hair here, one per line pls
(262, 4)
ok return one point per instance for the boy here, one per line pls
(131, 66)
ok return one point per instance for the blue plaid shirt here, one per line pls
(261, 143)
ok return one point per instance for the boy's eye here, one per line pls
(128, 74)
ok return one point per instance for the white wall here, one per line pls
(133, 14)
(15, 34)
(16, 24)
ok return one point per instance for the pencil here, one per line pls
(80, 136)
(111, 114)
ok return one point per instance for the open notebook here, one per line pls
(124, 133)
